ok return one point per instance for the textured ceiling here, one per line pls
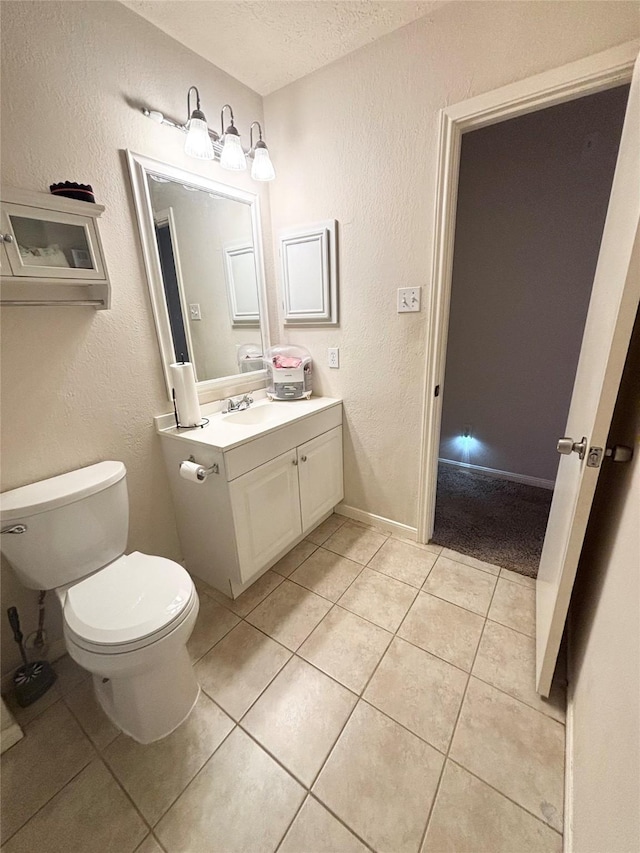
(271, 43)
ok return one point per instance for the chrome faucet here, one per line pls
(231, 405)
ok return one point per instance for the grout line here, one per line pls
(506, 796)
(454, 729)
(340, 820)
(522, 634)
(109, 770)
(52, 797)
(157, 840)
(298, 810)
(481, 615)
(516, 698)
(315, 592)
(196, 774)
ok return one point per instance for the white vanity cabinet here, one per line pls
(50, 251)
(276, 502)
(266, 494)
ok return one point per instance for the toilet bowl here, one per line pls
(126, 618)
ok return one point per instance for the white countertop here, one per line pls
(224, 432)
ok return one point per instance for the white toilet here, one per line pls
(127, 619)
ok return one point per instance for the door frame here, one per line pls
(166, 217)
(586, 76)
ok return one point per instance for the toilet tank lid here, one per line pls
(59, 491)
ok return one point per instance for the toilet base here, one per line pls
(150, 705)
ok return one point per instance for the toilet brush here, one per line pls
(31, 680)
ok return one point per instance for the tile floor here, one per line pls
(366, 694)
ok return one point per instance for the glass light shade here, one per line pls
(232, 156)
(198, 143)
(262, 168)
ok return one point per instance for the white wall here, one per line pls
(532, 201)
(79, 385)
(604, 666)
(356, 141)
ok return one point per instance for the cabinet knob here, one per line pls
(294, 461)
(304, 458)
(7, 238)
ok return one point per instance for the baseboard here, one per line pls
(377, 521)
(567, 836)
(502, 475)
(56, 650)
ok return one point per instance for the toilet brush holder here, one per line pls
(32, 679)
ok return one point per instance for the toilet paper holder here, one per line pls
(212, 469)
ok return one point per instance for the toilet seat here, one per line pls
(133, 602)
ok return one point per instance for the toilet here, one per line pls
(127, 618)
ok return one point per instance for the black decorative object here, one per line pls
(68, 189)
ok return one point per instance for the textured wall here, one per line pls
(359, 142)
(79, 385)
(532, 201)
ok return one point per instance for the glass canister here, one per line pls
(289, 372)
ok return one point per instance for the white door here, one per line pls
(320, 474)
(612, 310)
(266, 512)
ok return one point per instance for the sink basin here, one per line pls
(259, 415)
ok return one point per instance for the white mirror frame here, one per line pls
(139, 165)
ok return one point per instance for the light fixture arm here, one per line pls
(259, 126)
(232, 126)
(193, 89)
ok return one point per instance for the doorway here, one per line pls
(606, 70)
(532, 199)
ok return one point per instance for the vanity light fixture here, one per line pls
(205, 144)
(198, 142)
(262, 167)
(233, 156)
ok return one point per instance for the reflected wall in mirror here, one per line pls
(203, 254)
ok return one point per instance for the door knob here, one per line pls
(567, 445)
(619, 453)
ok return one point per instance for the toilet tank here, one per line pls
(75, 524)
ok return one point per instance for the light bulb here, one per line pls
(232, 156)
(262, 168)
(198, 142)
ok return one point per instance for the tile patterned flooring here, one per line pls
(366, 694)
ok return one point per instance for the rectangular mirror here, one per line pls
(203, 255)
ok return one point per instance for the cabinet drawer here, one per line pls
(242, 459)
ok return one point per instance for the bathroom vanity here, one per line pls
(274, 472)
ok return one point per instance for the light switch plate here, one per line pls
(409, 299)
(194, 311)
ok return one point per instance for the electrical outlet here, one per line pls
(333, 359)
(194, 311)
(409, 299)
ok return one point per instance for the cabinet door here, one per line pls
(320, 473)
(266, 512)
(51, 244)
